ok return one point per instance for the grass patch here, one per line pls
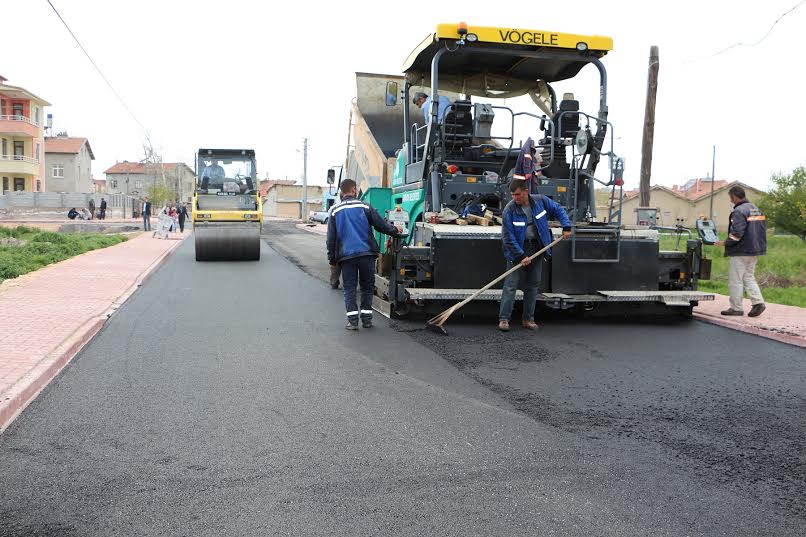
(781, 273)
(41, 248)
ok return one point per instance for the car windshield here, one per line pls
(226, 175)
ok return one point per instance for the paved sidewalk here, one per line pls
(782, 323)
(47, 316)
(319, 229)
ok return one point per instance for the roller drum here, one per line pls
(227, 241)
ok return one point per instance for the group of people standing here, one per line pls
(177, 213)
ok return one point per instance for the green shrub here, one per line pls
(46, 247)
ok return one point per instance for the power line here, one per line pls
(736, 45)
(87, 54)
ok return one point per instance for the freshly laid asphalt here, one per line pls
(227, 399)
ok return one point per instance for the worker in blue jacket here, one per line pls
(352, 245)
(525, 230)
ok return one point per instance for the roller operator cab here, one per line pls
(460, 151)
(227, 211)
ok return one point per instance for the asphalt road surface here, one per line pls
(227, 399)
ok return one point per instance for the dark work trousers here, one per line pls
(528, 280)
(358, 272)
(181, 223)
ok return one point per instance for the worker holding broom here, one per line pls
(352, 245)
(525, 230)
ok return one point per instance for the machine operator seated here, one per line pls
(424, 102)
(212, 173)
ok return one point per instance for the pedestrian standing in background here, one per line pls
(102, 216)
(91, 207)
(170, 210)
(146, 214)
(747, 240)
(182, 213)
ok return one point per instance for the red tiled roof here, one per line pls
(64, 144)
(267, 184)
(635, 193)
(703, 188)
(139, 167)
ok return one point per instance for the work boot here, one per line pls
(351, 326)
(366, 323)
(757, 310)
(503, 325)
(736, 313)
(529, 324)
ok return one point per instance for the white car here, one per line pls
(319, 216)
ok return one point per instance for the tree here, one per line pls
(152, 160)
(785, 204)
(159, 193)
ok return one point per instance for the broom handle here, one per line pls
(502, 276)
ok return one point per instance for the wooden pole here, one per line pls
(649, 125)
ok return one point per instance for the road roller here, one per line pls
(227, 212)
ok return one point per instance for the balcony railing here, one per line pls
(20, 158)
(20, 118)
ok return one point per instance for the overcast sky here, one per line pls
(265, 75)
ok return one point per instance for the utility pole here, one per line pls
(304, 214)
(713, 166)
(649, 125)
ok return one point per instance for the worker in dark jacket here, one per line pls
(747, 240)
(352, 245)
(527, 167)
(525, 230)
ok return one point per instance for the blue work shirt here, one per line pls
(444, 103)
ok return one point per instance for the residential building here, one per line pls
(135, 178)
(22, 139)
(68, 164)
(268, 184)
(285, 201)
(100, 185)
(686, 205)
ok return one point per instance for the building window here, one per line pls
(113, 183)
(37, 151)
(2, 107)
(58, 171)
(38, 185)
(16, 109)
(138, 184)
(4, 151)
(5, 184)
(19, 184)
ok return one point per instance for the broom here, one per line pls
(435, 323)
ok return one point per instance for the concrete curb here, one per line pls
(312, 229)
(23, 393)
(748, 329)
(142, 278)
